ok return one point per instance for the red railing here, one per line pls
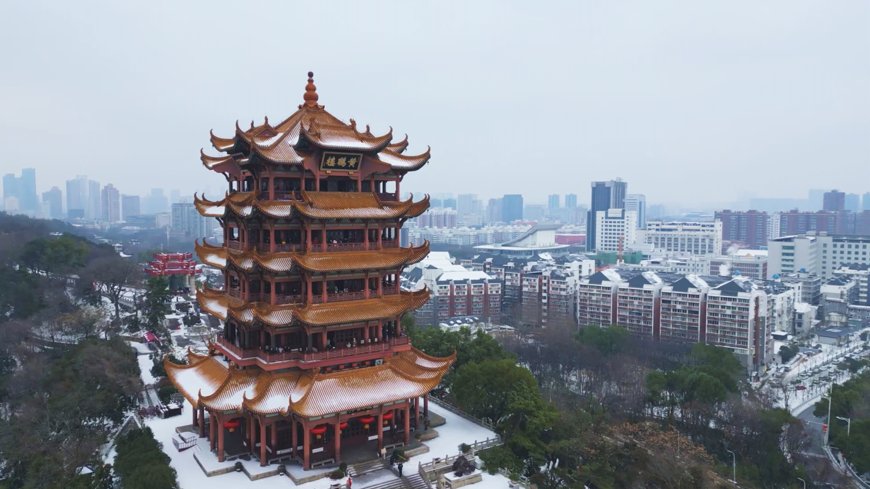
(341, 296)
(345, 246)
(288, 247)
(298, 354)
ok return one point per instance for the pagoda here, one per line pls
(313, 358)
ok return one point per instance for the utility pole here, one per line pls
(828, 425)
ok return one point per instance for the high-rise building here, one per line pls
(111, 204)
(615, 229)
(130, 207)
(187, 222)
(865, 202)
(316, 333)
(553, 203)
(744, 228)
(53, 200)
(637, 203)
(834, 200)
(571, 201)
(94, 207)
(155, 202)
(852, 202)
(493, 211)
(605, 196)
(20, 192)
(76, 196)
(512, 208)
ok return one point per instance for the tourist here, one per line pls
(349, 483)
(400, 469)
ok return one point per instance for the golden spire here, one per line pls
(310, 96)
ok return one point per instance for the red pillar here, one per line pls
(417, 411)
(337, 454)
(272, 298)
(194, 416)
(201, 421)
(406, 415)
(306, 447)
(380, 330)
(274, 428)
(308, 290)
(366, 237)
(220, 446)
(263, 460)
(323, 290)
(252, 435)
(293, 436)
(426, 405)
(212, 421)
(380, 431)
(323, 238)
(366, 286)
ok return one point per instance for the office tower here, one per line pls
(571, 201)
(615, 229)
(493, 211)
(129, 206)
(19, 193)
(637, 203)
(512, 208)
(155, 202)
(111, 204)
(834, 201)
(605, 195)
(76, 196)
(745, 228)
(852, 202)
(553, 204)
(93, 208)
(53, 200)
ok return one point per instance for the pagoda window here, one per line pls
(264, 188)
(248, 184)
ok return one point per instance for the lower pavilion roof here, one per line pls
(221, 305)
(209, 383)
(318, 262)
(314, 205)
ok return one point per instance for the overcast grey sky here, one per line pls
(689, 101)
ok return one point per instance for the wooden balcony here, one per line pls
(299, 357)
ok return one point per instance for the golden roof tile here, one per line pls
(307, 393)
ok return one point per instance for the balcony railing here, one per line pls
(298, 354)
(388, 197)
(289, 247)
(342, 296)
(345, 246)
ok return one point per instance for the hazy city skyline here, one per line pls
(707, 103)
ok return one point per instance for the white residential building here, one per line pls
(615, 229)
(821, 254)
(694, 238)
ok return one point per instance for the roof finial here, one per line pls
(310, 96)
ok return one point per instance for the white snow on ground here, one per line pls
(190, 476)
(145, 364)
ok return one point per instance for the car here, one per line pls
(800, 387)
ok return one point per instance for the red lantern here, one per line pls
(231, 425)
(388, 416)
(342, 426)
(319, 430)
(366, 420)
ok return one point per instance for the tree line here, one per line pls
(616, 411)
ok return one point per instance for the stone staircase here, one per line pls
(413, 481)
(361, 468)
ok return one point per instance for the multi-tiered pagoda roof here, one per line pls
(311, 304)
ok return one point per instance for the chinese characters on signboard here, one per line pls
(340, 161)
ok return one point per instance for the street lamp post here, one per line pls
(828, 425)
(848, 423)
(733, 466)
